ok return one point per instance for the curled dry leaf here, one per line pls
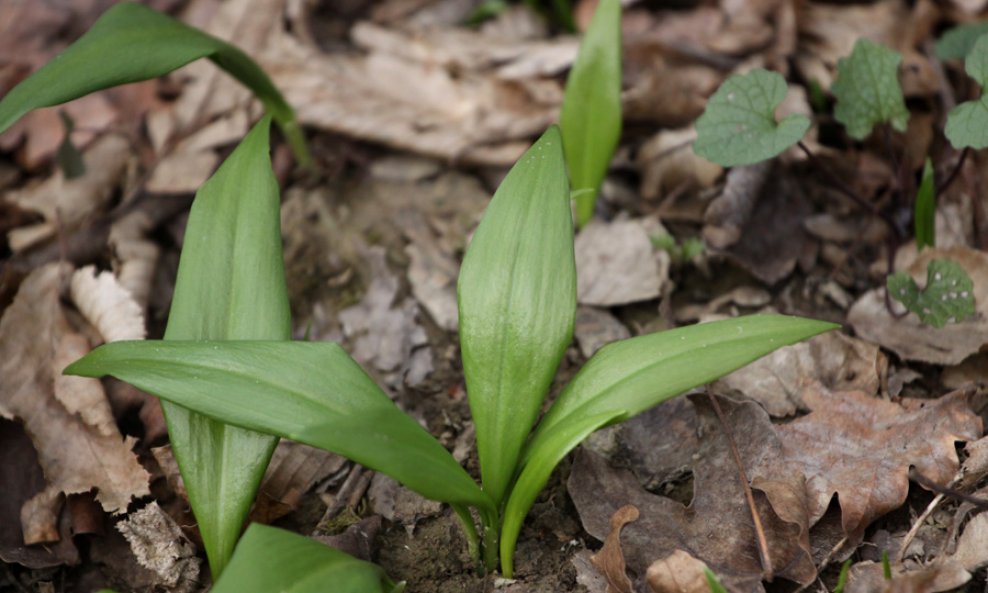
(678, 573)
(668, 163)
(293, 471)
(610, 560)
(136, 256)
(837, 361)
(616, 264)
(910, 338)
(717, 527)
(107, 305)
(851, 434)
(595, 328)
(76, 456)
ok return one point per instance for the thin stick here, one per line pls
(929, 484)
(911, 534)
(763, 553)
(954, 172)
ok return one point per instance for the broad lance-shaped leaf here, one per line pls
(956, 43)
(967, 124)
(738, 126)
(230, 286)
(591, 112)
(925, 211)
(310, 392)
(563, 439)
(867, 90)
(517, 305)
(130, 43)
(272, 559)
(947, 298)
(633, 375)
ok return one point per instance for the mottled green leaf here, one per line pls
(310, 392)
(738, 126)
(269, 559)
(957, 42)
(867, 90)
(517, 305)
(591, 112)
(924, 214)
(130, 43)
(947, 298)
(635, 374)
(230, 286)
(967, 124)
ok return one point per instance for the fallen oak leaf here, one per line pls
(678, 573)
(851, 434)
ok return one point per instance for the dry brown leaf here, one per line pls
(716, 528)
(667, 163)
(976, 465)
(135, 255)
(869, 577)
(908, 336)
(159, 545)
(66, 203)
(83, 396)
(678, 573)
(294, 469)
(728, 214)
(107, 305)
(851, 434)
(75, 456)
(616, 264)
(972, 547)
(595, 328)
(610, 560)
(839, 362)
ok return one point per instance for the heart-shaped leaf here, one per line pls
(967, 124)
(867, 90)
(956, 43)
(948, 296)
(738, 126)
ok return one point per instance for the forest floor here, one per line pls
(858, 444)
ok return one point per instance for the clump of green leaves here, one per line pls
(738, 126)
(948, 296)
(591, 112)
(517, 309)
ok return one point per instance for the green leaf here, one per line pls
(867, 90)
(130, 43)
(230, 286)
(956, 43)
(738, 126)
(635, 374)
(517, 305)
(68, 157)
(310, 392)
(947, 298)
(713, 582)
(591, 112)
(845, 569)
(563, 439)
(924, 213)
(272, 559)
(967, 124)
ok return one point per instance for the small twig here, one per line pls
(911, 534)
(954, 172)
(349, 494)
(929, 484)
(763, 553)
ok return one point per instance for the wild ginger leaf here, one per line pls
(956, 43)
(517, 305)
(738, 126)
(948, 296)
(967, 124)
(130, 43)
(924, 213)
(230, 286)
(867, 90)
(591, 112)
(310, 392)
(272, 559)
